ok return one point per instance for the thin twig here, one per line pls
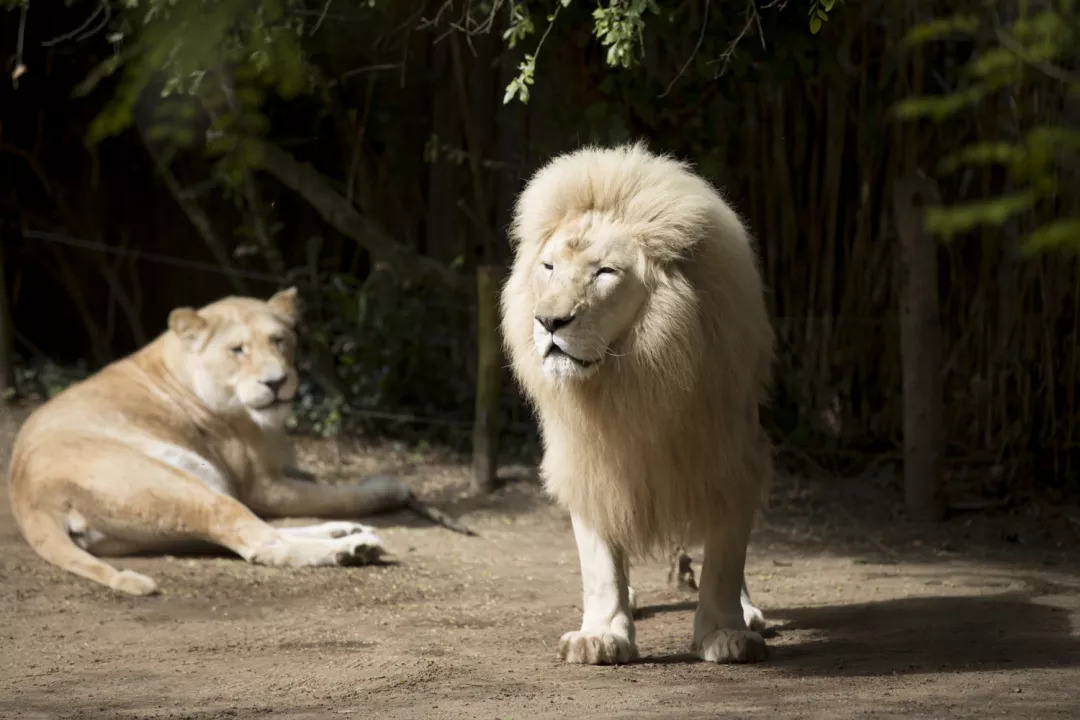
(77, 33)
(729, 52)
(370, 68)
(693, 54)
(62, 239)
(20, 67)
(322, 16)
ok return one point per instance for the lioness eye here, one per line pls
(547, 266)
(606, 271)
(237, 349)
(278, 340)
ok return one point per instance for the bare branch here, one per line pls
(78, 33)
(693, 54)
(20, 67)
(311, 185)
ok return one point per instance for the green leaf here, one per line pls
(955, 25)
(1058, 235)
(957, 219)
(990, 153)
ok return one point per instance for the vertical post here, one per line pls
(486, 418)
(7, 334)
(920, 350)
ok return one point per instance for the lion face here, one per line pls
(589, 288)
(239, 355)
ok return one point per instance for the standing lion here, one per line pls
(636, 324)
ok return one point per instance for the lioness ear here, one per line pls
(187, 323)
(286, 303)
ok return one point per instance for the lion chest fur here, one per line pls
(647, 472)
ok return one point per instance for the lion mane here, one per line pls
(665, 440)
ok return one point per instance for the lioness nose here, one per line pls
(275, 383)
(552, 323)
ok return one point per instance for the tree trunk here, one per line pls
(486, 419)
(7, 335)
(920, 349)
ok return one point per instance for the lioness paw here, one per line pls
(360, 549)
(133, 583)
(603, 648)
(339, 529)
(732, 646)
(330, 530)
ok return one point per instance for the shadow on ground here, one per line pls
(927, 634)
(905, 635)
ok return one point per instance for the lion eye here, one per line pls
(237, 349)
(548, 266)
(278, 340)
(606, 271)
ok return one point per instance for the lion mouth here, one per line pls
(276, 402)
(556, 351)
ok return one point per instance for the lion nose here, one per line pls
(552, 323)
(275, 383)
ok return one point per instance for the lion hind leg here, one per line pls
(48, 537)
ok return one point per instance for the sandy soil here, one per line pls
(872, 617)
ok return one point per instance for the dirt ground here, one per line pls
(871, 617)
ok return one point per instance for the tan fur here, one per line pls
(183, 441)
(660, 440)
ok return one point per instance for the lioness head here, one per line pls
(238, 354)
(587, 287)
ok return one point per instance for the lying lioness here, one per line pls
(182, 441)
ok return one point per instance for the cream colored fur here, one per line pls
(183, 441)
(635, 320)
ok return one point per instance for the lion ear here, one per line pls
(286, 303)
(188, 324)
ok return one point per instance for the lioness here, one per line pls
(183, 440)
(635, 321)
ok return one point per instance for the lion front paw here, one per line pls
(732, 646)
(603, 648)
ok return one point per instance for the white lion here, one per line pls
(635, 320)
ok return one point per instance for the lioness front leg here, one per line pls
(607, 628)
(720, 624)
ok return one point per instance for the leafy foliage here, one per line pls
(1034, 57)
